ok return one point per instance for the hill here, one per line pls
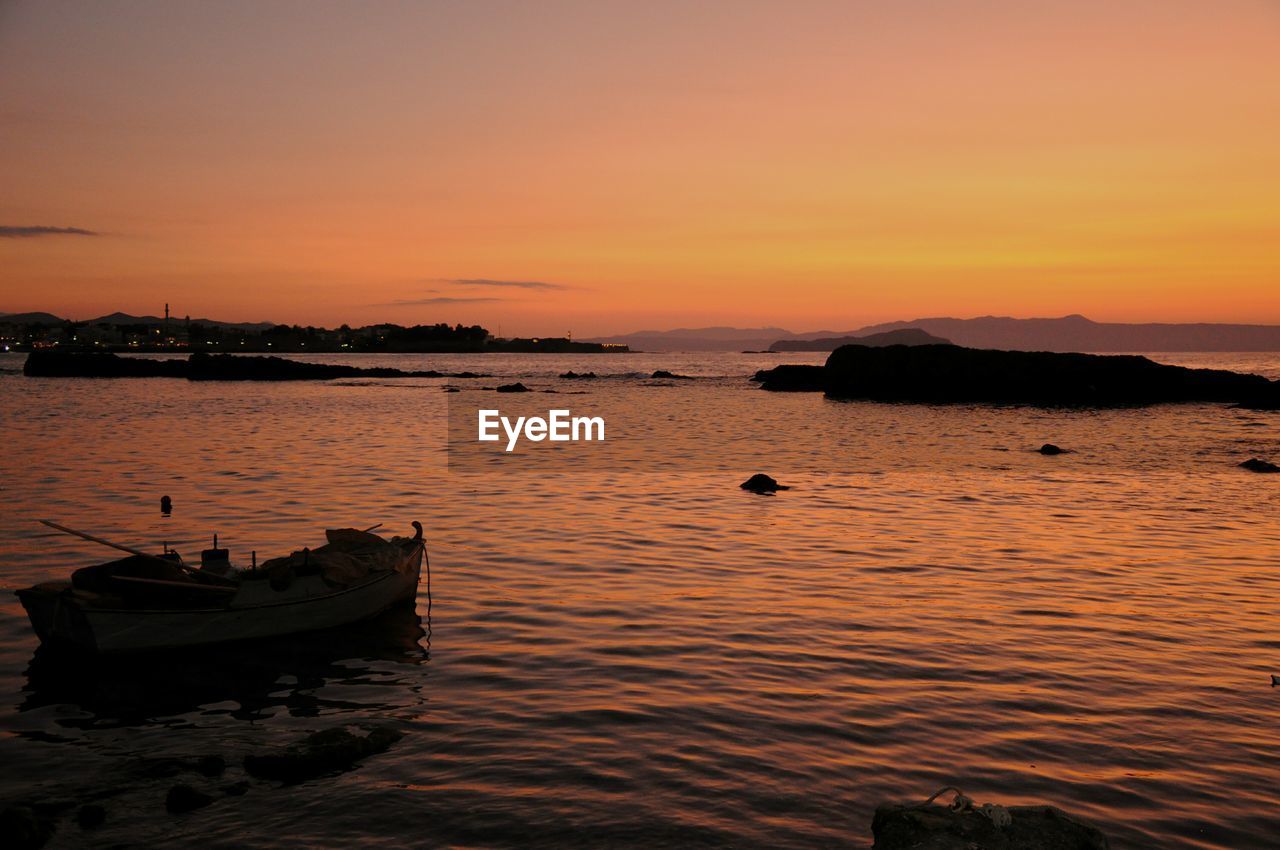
(903, 336)
(1077, 333)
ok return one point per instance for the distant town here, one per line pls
(120, 332)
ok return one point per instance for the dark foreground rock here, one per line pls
(578, 376)
(23, 829)
(183, 798)
(1051, 449)
(671, 376)
(517, 387)
(1254, 464)
(949, 373)
(936, 827)
(205, 367)
(329, 751)
(761, 483)
(91, 816)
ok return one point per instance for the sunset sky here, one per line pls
(605, 166)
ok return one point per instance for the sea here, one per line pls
(619, 647)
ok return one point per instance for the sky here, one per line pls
(602, 167)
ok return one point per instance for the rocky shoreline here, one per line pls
(207, 367)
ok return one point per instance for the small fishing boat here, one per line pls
(147, 601)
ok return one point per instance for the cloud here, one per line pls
(513, 284)
(442, 299)
(10, 231)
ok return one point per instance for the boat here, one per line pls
(151, 602)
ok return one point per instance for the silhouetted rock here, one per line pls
(935, 827)
(91, 815)
(52, 363)
(517, 387)
(1269, 401)
(1254, 464)
(183, 798)
(329, 751)
(761, 483)
(205, 367)
(792, 378)
(578, 376)
(663, 373)
(948, 373)
(211, 765)
(23, 829)
(1051, 449)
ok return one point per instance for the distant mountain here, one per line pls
(1068, 333)
(1076, 333)
(115, 319)
(30, 319)
(717, 338)
(126, 319)
(903, 336)
(699, 339)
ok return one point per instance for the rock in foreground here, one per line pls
(1254, 464)
(936, 827)
(329, 751)
(949, 373)
(183, 798)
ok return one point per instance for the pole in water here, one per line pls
(166, 505)
(254, 556)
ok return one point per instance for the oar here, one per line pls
(131, 551)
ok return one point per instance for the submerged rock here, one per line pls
(23, 829)
(183, 798)
(578, 376)
(761, 483)
(329, 751)
(934, 827)
(517, 387)
(1254, 464)
(211, 765)
(1051, 449)
(91, 815)
(672, 376)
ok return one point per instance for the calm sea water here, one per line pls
(627, 650)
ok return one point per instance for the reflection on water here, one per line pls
(290, 673)
(650, 657)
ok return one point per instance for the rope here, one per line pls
(998, 815)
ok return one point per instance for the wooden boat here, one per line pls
(147, 602)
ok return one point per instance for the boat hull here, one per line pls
(258, 611)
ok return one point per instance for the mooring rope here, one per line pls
(998, 815)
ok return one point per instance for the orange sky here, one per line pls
(806, 164)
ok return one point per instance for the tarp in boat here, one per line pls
(350, 555)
